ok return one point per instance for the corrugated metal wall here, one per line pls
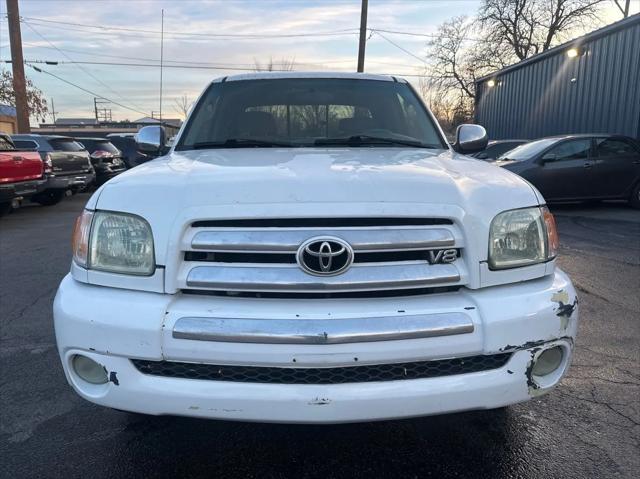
(597, 92)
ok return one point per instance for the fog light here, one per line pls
(548, 361)
(89, 370)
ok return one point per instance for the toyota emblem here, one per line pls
(325, 256)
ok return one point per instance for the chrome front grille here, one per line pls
(237, 256)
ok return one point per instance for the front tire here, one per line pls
(49, 198)
(634, 200)
(5, 208)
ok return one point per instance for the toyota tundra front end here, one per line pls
(312, 250)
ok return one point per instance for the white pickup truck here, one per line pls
(312, 250)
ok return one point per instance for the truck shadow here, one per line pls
(472, 444)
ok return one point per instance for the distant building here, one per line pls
(90, 127)
(167, 122)
(8, 119)
(76, 121)
(587, 85)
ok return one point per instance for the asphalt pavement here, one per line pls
(588, 427)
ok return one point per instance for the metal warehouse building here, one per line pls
(588, 85)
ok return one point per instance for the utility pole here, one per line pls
(625, 10)
(103, 114)
(53, 112)
(161, 59)
(17, 64)
(363, 35)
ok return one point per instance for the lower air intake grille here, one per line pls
(340, 375)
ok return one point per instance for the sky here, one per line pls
(323, 36)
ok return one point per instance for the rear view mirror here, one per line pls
(151, 139)
(470, 139)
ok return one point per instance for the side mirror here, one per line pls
(548, 158)
(470, 139)
(151, 139)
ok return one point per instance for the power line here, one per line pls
(250, 65)
(157, 65)
(398, 46)
(139, 31)
(193, 67)
(426, 35)
(94, 94)
(187, 62)
(104, 29)
(88, 73)
(196, 67)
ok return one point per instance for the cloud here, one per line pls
(141, 43)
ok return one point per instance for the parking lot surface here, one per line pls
(588, 427)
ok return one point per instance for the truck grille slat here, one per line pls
(319, 222)
(337, 375)
(290, 258)
(291, 278)
(391, 293)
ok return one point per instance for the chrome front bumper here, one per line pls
(321, 331)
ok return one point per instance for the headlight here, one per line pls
(114, 242)
(522, 237)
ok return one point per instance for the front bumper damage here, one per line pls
(113, 326)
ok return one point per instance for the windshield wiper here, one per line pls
(238, 143)
(359, 140)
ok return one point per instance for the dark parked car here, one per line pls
(579, 167)
(71, 167)
(107, 160)
(497, 148)
(126, 143)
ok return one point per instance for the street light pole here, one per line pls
(363, 35)
(161, 61)
(17, 65)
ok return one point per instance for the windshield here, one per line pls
(65, 144)
(93, 145)
(528, 150)
(124, 144)
(297, 112)
(26, 144)
(5, 144)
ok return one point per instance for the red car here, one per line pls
(22, 174)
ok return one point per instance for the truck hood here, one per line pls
(259, 182)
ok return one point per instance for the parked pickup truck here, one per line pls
(21, 174)
(312, 250)
(71, 167)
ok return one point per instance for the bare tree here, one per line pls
(503, 33)
(454, 64)
(182, 105)
(533, 26)
(36, 102)
(285, 64)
